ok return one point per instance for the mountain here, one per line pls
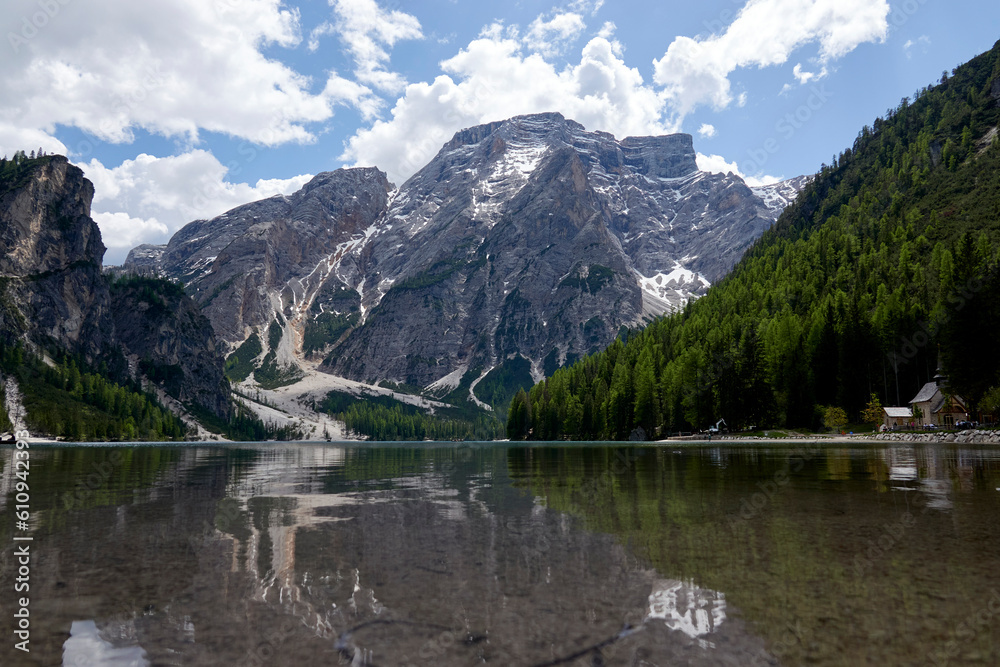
(523, 245)
(55, 301)
(884, 267)
(51, 256)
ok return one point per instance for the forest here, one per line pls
(886, 266)
(61, 400)
(384, 418)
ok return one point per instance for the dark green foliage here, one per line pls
(503, 382)
(15, 172)
(384, 418)
(438, 273)
(519, 417)
(76, 404)
(239, 365)
(269, 374)
(326, 329)
(889, 253)
(243, 425)
(460, 394)
(336, 298)
(402, 387)
(217, 291)
(155, 291)
(274, 333)
(5, 423)
(272, 376)
(168, 375)
(597, 277)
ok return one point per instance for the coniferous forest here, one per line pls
(383, 418)
(60, 400)
(886, 265)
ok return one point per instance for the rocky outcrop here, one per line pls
(55, 296)
(534, 237)
(530, 237)
(968, 436)
(170, 340)
(260, 259)
(50, 258)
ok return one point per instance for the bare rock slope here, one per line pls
(528, 240)
(53, 294)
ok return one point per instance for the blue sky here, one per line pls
(181, 109)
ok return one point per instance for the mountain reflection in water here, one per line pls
(286, 554)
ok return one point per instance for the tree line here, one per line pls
(64, 401)
(886, 265)
(383, 418)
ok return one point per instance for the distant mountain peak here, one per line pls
(528, 237)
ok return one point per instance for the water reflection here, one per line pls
(291, 554)
(87, 646)
(687, 608)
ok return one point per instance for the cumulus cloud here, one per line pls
(173, 68)
(804, 77)
(607, 30)
(716, 164)
(147, 199)
(493, 79)
(695, 72)
(14, 138)
(121, 232)
(368, 32)
(552, 36)
(706, 130)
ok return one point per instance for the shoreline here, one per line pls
(934, 439)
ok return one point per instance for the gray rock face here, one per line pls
(262, 258)
(530, 237)
(172, 340)
(51, 260)
(54, 293)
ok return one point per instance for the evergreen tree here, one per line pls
(892, 250)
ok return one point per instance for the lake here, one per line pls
(500, 553)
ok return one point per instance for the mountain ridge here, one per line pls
(885, 269)
(55, 298)
(651, 229)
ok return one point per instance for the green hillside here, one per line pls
(887, 257)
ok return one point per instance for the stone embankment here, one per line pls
(972, 437)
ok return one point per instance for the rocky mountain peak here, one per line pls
(668, 156)
(47, 225)
(529, 238)
(53, 293)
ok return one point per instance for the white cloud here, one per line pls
(551, 37)
(368, 31)
(14, 138)
(499, 30)
(716, 164)
(173, 68)
(607, 32)
(586, 6)
(804, 77)
(147, 199)
(706, 130)
(491, 80)
(923, 41)
(323, 29)
(121, 233)
(695, 72)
